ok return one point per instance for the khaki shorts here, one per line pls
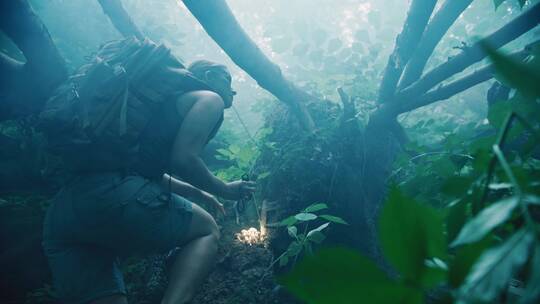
(97, 219)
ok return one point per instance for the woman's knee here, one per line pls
(202, 225)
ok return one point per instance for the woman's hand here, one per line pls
(212, 203)
(239, 189)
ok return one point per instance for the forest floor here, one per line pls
(243, 272)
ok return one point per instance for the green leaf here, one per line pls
(315, 207)
(436, 272)
(494, 269)
(291, 220)
(500, 186)
(333, 219)
(463, 261)
(294, 249)
(292, 230)
(308, 248)
(532, 292)
(518, 75)
(456, 217)
(456, 186)
(410, 233)
(263, 175)
(343, 276)
(283, 260)
(498, 112)
(224, 152)
(320, 228)
(316, 236)
(486, 220)
(532, 199)
(305, 216)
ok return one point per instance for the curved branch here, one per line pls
(436, 29)
(473, 54)
(120, 18)
(31, 83)
(219, 22)
(406, 43)
(455, 87)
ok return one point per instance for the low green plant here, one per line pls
(484, 236)
(304, 241)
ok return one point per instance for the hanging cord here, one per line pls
(247, 176)
(244, 126)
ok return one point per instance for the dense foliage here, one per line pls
(460, 219)
(483, 233)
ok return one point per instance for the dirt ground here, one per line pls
(243, 275)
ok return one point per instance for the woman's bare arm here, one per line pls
(190, 192)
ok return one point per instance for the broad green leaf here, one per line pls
(486, 220)
(292, 230)
(500, 186)
(315, 207)
(291, 220)
(532, 292)
(340, 276)
(435, 273)
(316, 236)
(494, 269)
(532, 199)
(464, 259)
(456, 186)
(410, 233)
(456, 217)
(498, 112)
(294, 248)
(320, 228)
(333, 219)
(305, 216)
(518, 75)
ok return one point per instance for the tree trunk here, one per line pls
(32, 83)
(219, 22)
(436, 29)
(120, 18)
(470, 55)
(406, 43)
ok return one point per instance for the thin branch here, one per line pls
(348, 106)
(406, 42)
(436, 29)
(219, 22)
(120, 18)
(446, 91)
(512, 30)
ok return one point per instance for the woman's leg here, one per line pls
(195, 259)
(116, 299)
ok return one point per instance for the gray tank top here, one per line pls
(157, 139)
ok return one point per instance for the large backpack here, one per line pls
(94, 119)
